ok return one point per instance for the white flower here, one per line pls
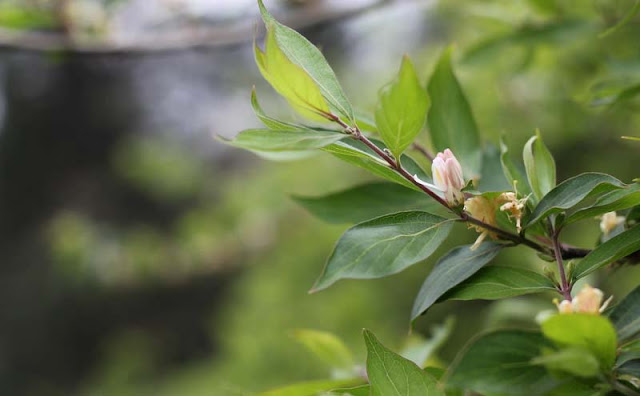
(513, 207)
(447, 176)
(588, 300)
(610, 221)
(484, 209)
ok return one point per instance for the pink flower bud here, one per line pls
(588, 300)
(447, 176)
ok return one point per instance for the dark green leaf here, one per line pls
(356, 153)
(592, 332)
(267, 140)
(513, 174)
(453, 268)
(615, 200)
(492, 178)
(384, 246)
(574, 360)
(392, 375)
(494, 282)
(402, 109)
(572, 191)
(311, 388)
(540, 166)
(614, 249)
(450, 119)
(498, 363)
(365, 202)
(626, 315)
(304, 54)
(632, 367)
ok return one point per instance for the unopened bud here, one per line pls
(447, 177)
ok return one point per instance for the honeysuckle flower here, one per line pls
(484, 209)
(610, 221)
(513, 206)
(447, 176)
(588, 300)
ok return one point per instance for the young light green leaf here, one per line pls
(495, 282)
(615, 200)
(452, 268)
(356, 153)
(362, 390)
(614, 249)
(626, 315)
(498, 363)
(540, 166)
(392, 375)
(450, 119)
(402, 109)
(326, 346)
(270, 122)
(290, 80)
(574, 360)
(312, 388)
(592, 332)
(513, 174)
(571, 192)
(306, 56)
(419, 350)
(265, 140)
(384, 246)
(365, 202)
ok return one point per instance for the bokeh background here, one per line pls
(140, 256)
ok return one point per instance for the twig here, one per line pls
(565, 287)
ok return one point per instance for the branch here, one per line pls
(565, 287)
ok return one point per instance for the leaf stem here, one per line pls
(565, 286)
(423, 150)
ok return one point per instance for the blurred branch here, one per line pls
(187, 37)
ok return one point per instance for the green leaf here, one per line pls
(539, 166)
(450, 119)
(453, 268)
(615, 200)
(365, 202)
(632, 367)
(513, 174)
(628, 17)
(574, 360)
(495, 282)
(592, 332)
(290, 80)
(492, 178)
(265, 140)
(392, 375)
(402, 109)
(326, 346)
(384, 246)
(498, 363)
(571, 192)
(270, 122)
(356, 153)
(305, 55)
(311, 388)
(614, 249)
(362, 390)
(626, 315)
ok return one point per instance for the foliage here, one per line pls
(578, 347)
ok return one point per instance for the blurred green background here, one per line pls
(140, 256)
